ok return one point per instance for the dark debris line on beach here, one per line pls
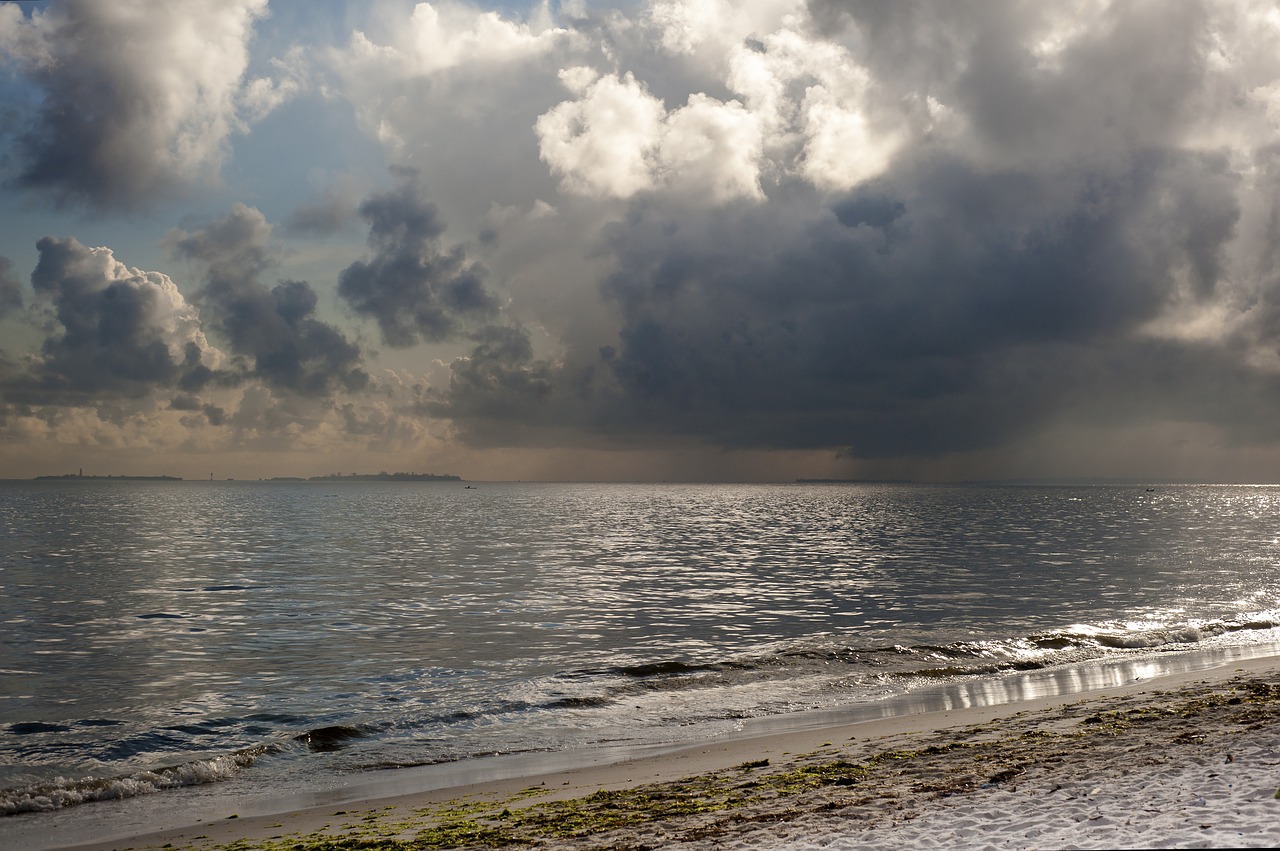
(864, 784)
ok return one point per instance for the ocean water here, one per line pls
(179, 645)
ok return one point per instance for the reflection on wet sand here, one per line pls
(1014, 688)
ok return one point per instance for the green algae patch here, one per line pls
(931, 750)
(607, 810)
(807, 777)
(459, 834)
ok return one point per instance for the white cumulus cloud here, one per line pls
(440, 36)
(604, 142)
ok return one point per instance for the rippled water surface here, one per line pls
(177, 633)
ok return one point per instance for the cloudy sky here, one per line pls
(661, 239)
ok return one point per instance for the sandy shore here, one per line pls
(1190, 760)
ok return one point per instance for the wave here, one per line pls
(830, 656)
(332, 738)
(63, 792)
(1147, 635)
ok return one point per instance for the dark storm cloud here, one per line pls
(215, 415)
(501, 360)
(115, 331)
(276, 328)
(945, 309)
(1002, 273)
(953, 334)
(414, 287)
(501, 394)
(137, 100)
(10, 288)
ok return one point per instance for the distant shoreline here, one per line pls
(354, 477)
(854, 482)
(374, 477)
(113, 478)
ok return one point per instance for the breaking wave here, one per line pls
(65, 792)
(62, 792)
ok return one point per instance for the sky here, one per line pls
(652, 240)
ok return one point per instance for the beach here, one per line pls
(1186, 760)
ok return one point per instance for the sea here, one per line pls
(173, 651)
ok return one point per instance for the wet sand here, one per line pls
(1187, 760)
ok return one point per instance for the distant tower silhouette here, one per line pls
(82, 472)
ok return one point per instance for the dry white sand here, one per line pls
(1190, 760)
(1212, 785)
(1201, 803)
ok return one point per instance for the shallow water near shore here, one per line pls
(206, 645)
(367, 793)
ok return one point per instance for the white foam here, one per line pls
(64, 792)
